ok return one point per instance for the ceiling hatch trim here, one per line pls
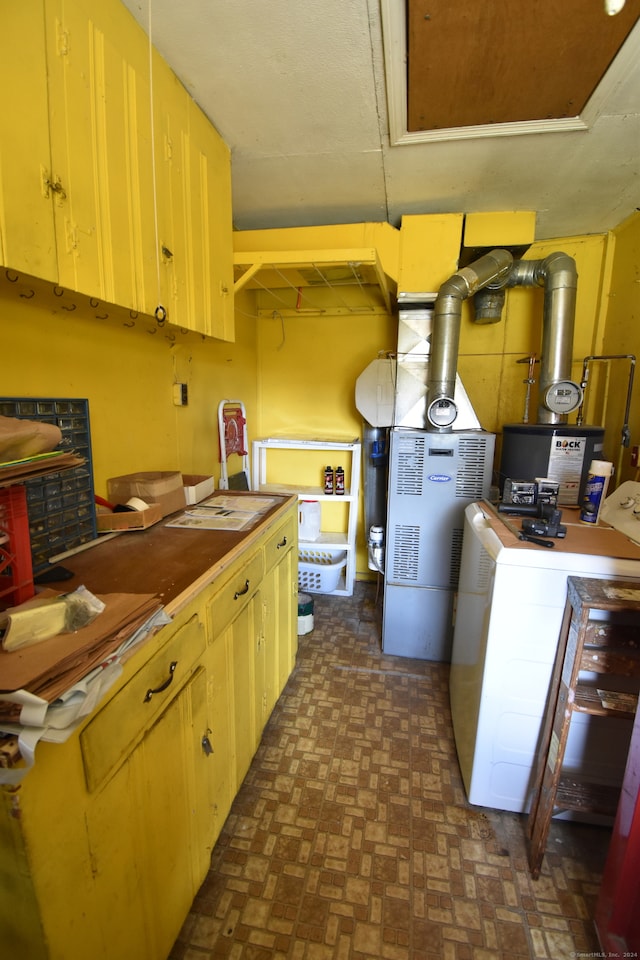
(394, 31)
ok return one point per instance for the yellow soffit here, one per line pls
(331, 269)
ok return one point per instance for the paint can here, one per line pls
(305, 614)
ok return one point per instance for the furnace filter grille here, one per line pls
(406, 553)
(410, 471)
(470, 475)
(456, 556)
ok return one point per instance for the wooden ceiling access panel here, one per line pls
(478, 62)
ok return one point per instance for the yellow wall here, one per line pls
(56, 347)
(622, 336)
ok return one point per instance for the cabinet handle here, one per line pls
(55, 186)
(150, 692)
(241, 593)
(282, 543)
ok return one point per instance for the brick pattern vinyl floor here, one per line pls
(352, 839)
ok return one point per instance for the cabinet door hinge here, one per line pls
(62, 40)
(71, 235)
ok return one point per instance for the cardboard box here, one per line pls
(129, 520)
(160, 487)
(197, 487)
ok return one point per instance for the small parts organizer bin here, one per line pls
(16, 572)
(319, 570)
(60, 505)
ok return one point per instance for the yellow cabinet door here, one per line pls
(209, 229)
(171, 145)
(286, 583)
(146, 829)
(242, 638)
(100, 128)
(193, 209)
(280, 629)
(221, 769)
(27, 236)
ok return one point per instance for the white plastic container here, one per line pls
(595, 490)
(308, 520)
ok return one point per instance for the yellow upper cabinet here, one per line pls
(100, 143)
(209, 202)
(112, 183)
(193, 176)
(27, 237)
(168, 291)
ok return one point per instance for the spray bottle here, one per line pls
(595, 490)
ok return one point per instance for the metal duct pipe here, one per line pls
(445, 337)
(558, 275)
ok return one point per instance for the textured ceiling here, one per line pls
(309, 98)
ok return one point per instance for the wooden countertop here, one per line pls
(172, 563)
(598, 540)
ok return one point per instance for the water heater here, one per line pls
(560, 451)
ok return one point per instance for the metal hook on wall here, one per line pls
(11, 276)
(27, 296)
(69, 308)
(58, 292)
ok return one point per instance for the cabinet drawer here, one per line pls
(233, 595)
(113, 733)
(282, 540)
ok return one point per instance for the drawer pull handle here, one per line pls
(241, 593)
(282, 543)
(150, 692)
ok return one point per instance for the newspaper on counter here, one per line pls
(224, 513)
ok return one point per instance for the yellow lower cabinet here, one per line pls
(106, 841)
(242, 636)
(286, 583)
(221, 770)
(147, 830)
(280, 601)
(102, 850)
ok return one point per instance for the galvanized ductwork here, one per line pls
(495, 271)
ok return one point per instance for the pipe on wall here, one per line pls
(558, 275)
(447, 311)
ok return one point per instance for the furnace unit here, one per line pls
(432, 479)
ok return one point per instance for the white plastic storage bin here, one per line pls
(319, 570)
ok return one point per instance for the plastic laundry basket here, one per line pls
(319, 570)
